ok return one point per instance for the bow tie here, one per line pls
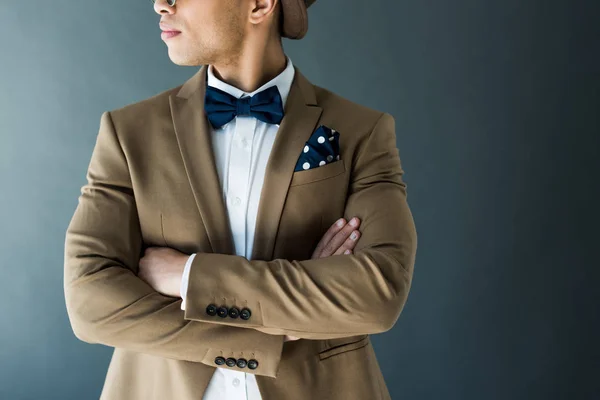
(221, 107)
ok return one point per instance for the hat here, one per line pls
(295, 18)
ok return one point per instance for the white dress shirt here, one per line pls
(241, 148)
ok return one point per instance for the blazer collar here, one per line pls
(301, 115)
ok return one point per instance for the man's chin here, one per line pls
(182, 61)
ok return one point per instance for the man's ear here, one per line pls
(265, 9)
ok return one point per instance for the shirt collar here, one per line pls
(283, 81)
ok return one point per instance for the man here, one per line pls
(205, 247)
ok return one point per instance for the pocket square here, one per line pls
(323, 147)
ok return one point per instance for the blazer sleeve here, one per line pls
(336, 296)
(107, 303)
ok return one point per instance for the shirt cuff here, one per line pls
(185, 278)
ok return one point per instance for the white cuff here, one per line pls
(185, 278)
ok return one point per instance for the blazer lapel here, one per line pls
(301, 115)
(195, 143)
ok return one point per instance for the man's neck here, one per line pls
(250, 74)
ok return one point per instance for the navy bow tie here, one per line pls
(221, 107)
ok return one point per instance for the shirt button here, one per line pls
(237, 201)
(236, 382)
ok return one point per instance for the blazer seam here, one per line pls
(114, 130)
(359, 157)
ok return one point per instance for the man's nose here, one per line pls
(163, 7)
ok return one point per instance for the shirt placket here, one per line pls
(238, 172)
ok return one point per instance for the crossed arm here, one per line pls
(167, 270)
(323, 298)
(340, 238)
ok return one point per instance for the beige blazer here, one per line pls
(152, 181)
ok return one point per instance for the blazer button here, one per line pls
(219, 360)
(241, 362)
(245, 313)
(252, 364)
(231, 362)
(222, 311)
(234, 312)
(211, 310)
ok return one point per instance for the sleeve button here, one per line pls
(234, 312)
(219, 360)
(252, 364)
(211, 310)
(231, 362)
(241, 362)
(245, 313)
(222, 311)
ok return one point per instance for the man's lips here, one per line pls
(168, 31)
(169, 34)
(167, 28)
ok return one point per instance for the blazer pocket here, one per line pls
(351, 343)
(318, 173)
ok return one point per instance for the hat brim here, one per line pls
(295, 18)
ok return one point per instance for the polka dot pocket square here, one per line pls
(323, 147)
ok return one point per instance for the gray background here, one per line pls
(496, 105)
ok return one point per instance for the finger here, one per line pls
(340, 238)
(349, 243)
(333, 229)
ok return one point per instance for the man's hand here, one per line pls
(162, 268)
(340, 238)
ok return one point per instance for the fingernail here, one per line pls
(340, 222)
(353, 236)
(347, 252)
(354, 222)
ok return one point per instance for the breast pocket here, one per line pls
(319, 173)
(316, 197)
